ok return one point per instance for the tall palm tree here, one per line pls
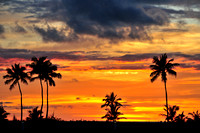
(162, 67)
(38, 67)
(49, 74)
(14, 75)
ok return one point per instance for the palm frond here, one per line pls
(171, 72)
(24, 81)
(170, 60)
(34, 78)
(51, 81)
(154, 73)
(7, 76)
(155, 60)
(155, 77)
(9, 81)
(154, 67)
(9, 71)
(13, 84)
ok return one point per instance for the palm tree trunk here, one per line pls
(21, 101)
(47, 101)
(166, 101)
(41, 94)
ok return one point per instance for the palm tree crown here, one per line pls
(110, 100)
(38, 67)
(16, 74)
(162, 67)
(49, 73)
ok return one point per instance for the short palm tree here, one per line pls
(113, 106)
(38, 67)
(14, 75)
(171, 115)
(162, 67)
(49, 74)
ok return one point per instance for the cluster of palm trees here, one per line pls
(162, 66)
(180, 118)
(41, 68)
(44, 70)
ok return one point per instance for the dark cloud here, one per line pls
(134, 57)
(53, 35)
(91, 55)
(18, 107)
(174, 30)
(19, 29)
(110, 18)
(121, 67)
(96, 55)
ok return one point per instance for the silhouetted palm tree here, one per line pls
(15, 75)
(49, 74)
(162, 67)
(113, 104)
(38, 67)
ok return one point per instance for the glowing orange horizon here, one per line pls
(78, 95)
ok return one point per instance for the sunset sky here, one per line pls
(102, 46)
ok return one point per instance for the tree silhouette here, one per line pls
(112, 106)
(38, 67)
(195, 116)
(162, 67)
(3, 114)
(35, 114)
(14, 75)
(49, 74)
(171, 114)
(181, 118)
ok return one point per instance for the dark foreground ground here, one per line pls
(94, 126)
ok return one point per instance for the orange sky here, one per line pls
(98, 53)
(78, 95)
